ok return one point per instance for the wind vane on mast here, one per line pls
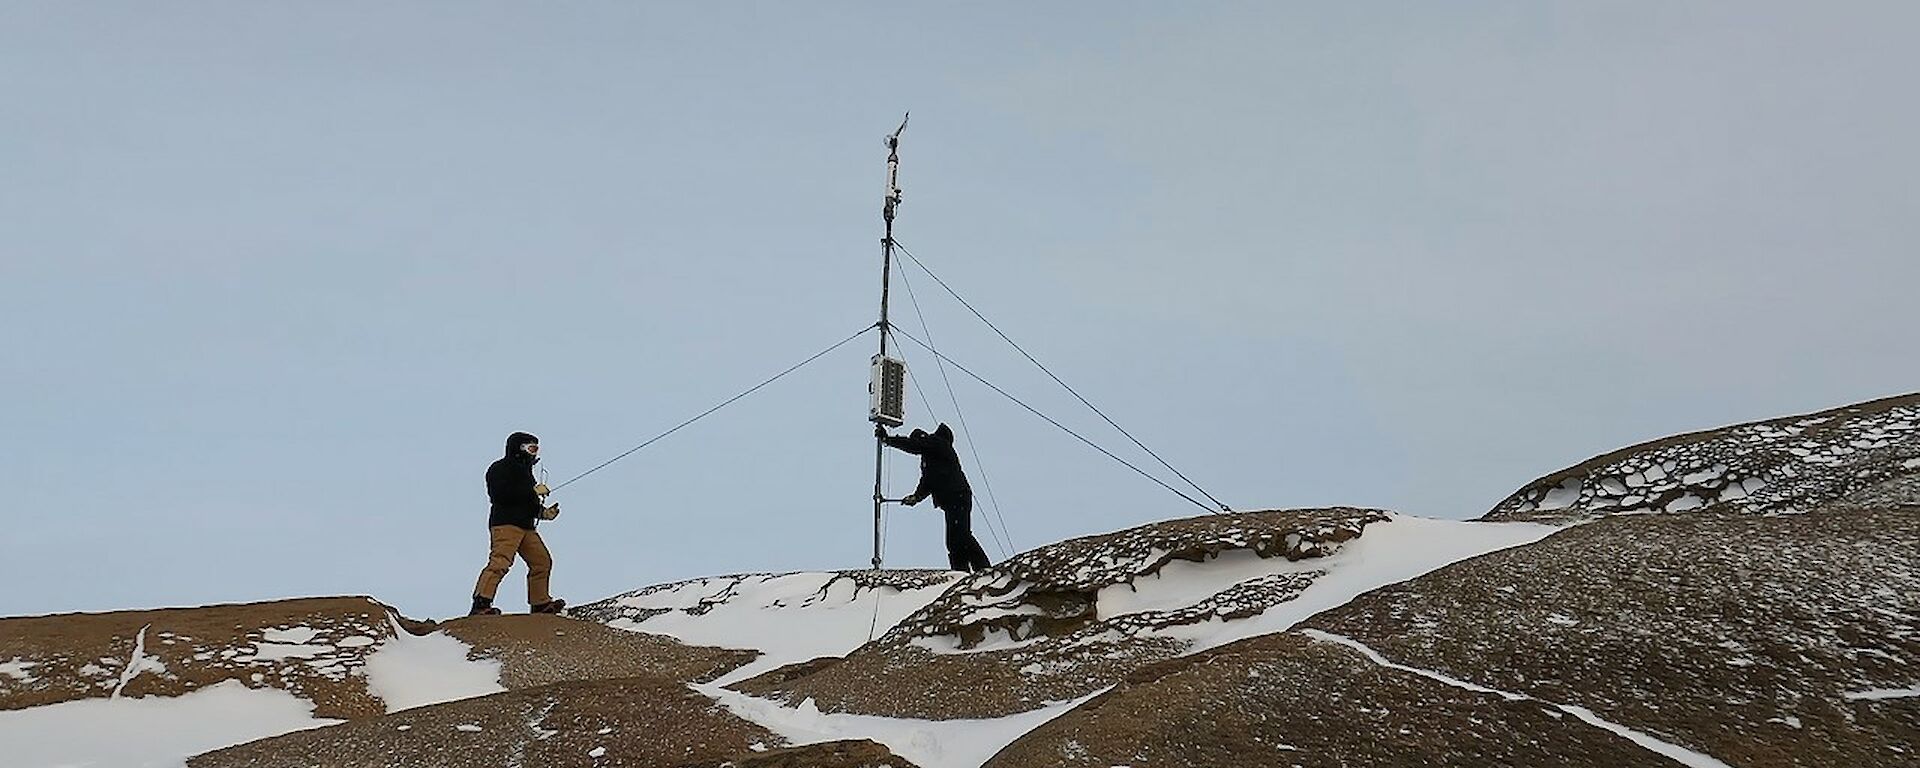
(887, 404)
(893, 173)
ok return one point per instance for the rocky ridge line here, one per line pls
(1780, 465)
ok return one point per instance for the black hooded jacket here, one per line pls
(940, 474)
(510, 485)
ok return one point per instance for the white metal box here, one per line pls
(887, 393)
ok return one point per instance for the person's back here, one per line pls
(942, 479)
(940, 474)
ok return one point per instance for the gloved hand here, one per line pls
(910, 500)
(879, 431)
(552, 511)
(540, 489)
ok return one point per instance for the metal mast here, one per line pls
(886, 275)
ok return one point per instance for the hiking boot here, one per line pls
(483, 606)
(551, 606)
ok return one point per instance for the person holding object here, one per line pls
(942, 479)
(518, 504)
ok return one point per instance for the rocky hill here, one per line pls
(1775, 622)
(1747, 596)
(776, 618)
(1711, 638)
(316, 650)
(633, 721)
(1072, 618)
(1868, 454)
(234, 673)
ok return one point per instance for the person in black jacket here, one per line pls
(942, 479)
(517, 507)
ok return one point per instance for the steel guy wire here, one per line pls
(1064, 428)
(994, 535)
(1030, 358)
(960, 415)
(723, 404)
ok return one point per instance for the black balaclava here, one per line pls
(517, 439)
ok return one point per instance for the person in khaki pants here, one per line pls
(518, 504)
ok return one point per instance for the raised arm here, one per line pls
(908, 443)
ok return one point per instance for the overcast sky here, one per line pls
(278, 279)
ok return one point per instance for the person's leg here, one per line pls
(976, 556)
(963, 549)
(539, 568)
(957, 535)
(504, 540)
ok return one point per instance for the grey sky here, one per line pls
(279, 279)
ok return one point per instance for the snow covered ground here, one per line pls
(1403, 548)
(162, 731)
(928, 743)
(152, 732)
(1400, 548)
(788, 618)
(410, 671)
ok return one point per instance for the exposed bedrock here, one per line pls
(1064, 620)
(1868, 452)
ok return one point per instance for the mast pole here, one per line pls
(886, 275)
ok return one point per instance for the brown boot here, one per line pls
(552, 606)
(483, 606)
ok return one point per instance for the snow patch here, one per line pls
(927, 743)
(1562, 496)
(1686, 502)
(788, 618)
(414, 671)
(1882, 694)
(295, 635)
(1181, 583)
(1387, 552)
(19, 669)
(995, 612)
(279, 652)
(138, 662)
(1391, 552)
(150, 732)
(1704, 476)
(282, 643)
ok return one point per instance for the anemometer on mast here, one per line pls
(887, 392)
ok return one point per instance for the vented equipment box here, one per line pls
(887, 393)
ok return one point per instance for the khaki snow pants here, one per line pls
(509, 540)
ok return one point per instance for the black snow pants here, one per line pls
(963, 550)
